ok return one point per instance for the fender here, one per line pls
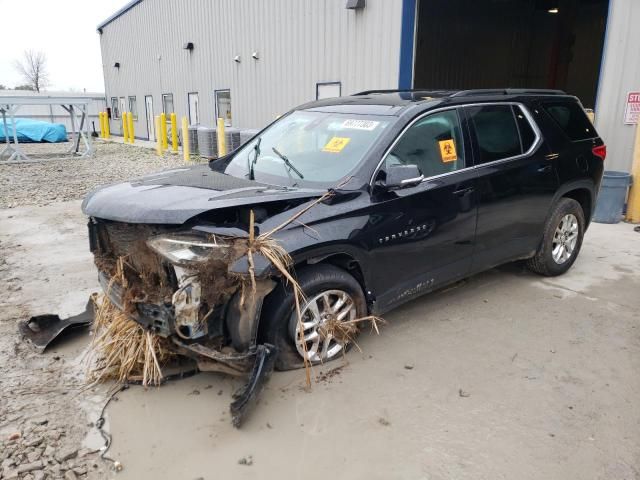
(581, 184)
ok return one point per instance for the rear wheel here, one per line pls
(332, 296)
(562, 239)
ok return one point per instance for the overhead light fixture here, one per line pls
(355, 4)
(255, 55)
(188, 46)
(553, 10)
(116, 65)
(236, 59)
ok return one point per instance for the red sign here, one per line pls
(632, 108)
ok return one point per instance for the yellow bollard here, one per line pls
(125, 127)
(186, 154)
(163, 131)
(174, 133)
(132, 136)
(158, 136)
(222, 144)
(633, 204)
(107, 131)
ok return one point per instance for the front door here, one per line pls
(151, 125)
(194, 109)
(517, 180)
(422, 237)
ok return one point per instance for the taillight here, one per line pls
(600, 152)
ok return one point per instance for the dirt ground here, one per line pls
(506, 375)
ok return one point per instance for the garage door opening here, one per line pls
(511, 43)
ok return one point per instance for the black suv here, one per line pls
(427, 187)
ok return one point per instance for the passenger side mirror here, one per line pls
(402, 176)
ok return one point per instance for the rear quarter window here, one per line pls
(571, 119)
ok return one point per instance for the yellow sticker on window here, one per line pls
(336, 144)
(448, 151)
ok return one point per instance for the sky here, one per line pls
(65, 30)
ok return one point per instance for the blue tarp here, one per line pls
(35, 131)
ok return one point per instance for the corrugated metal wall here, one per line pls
(300, 43)
(620, 74)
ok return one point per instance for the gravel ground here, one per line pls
(44, 182)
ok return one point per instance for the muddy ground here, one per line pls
(507, 375)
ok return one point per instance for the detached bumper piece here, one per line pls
(41, 330)
(246, 397)
(263, 357)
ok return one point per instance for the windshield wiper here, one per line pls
(287, 162)
(252, 163)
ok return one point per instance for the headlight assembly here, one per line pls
(186, 249)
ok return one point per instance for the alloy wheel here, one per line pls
(318, 313)
(565, 239)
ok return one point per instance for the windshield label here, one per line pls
(360, 124)
(336, 144)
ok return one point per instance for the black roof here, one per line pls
(392, 102)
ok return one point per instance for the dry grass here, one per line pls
(121, 349)
(346, 331)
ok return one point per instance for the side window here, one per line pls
(572, 119)
(527, 135)
(496, 132)
(115, 110)
(434, 143)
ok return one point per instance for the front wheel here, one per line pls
(332, 296)
(562, 239)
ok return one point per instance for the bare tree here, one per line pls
(33, 69)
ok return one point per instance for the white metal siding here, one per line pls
(300, 43)
(620, 75)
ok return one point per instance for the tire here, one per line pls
(278, 318)
(553, 257)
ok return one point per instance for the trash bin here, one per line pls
(612, 197)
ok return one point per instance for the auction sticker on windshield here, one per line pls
(336, 144)
(360, 124)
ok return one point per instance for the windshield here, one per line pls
(312, 149)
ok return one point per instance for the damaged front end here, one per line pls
(180, 285)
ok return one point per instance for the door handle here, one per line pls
(463, 191)
(545, 169)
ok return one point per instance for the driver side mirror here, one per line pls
(402, 176)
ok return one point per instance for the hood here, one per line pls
(175, 196)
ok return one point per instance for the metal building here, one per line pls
(248, 61)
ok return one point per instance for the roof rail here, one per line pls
(508, 91)
(368, 92)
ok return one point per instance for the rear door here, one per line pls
(516, 182)
(421, 237)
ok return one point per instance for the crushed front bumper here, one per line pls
(257, 361)
(158, 319)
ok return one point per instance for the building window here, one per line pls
(194, 108)
(115, 111)
(133, 107)
(122, 105)
(328, 90)
(167, 104)
(223, 106)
